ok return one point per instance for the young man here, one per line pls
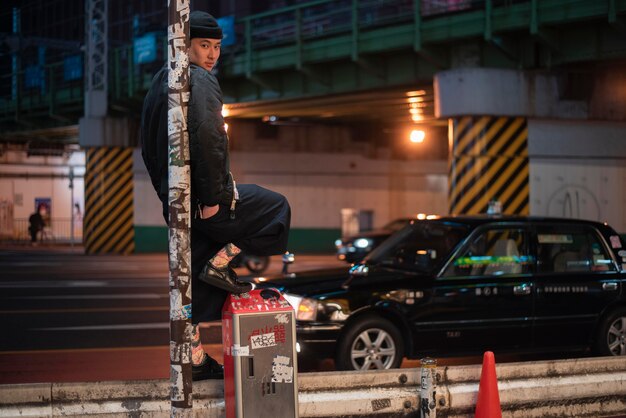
(226, 217)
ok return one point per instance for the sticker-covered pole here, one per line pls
(428, 388)
(179, 208)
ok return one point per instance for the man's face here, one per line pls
(205, 52)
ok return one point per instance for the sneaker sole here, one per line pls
(221, 284)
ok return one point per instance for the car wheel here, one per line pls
(611, 339)
(370, 343)
(257, 264)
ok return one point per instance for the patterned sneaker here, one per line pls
(224, 278)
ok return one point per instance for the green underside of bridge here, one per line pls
(410, 53)
(530, 35)
(151, 239)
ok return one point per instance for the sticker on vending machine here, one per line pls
(281, 371)
(263, 340)
(282, 318)
(240, 350)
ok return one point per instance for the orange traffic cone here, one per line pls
(488, 404)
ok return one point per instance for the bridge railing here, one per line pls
(57, 231)
(50, 93)
(328, 17)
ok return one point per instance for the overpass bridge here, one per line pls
(337, 59)
(500, 77)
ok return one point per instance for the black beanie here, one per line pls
(203, 25)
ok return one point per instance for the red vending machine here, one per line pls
(260, 370)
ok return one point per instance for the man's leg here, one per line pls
(261, 222)
(206, 306)
(266, 218)
(207, 300)
(204, 367)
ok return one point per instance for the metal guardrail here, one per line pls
(578, 387)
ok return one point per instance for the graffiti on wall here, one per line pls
(574, 201)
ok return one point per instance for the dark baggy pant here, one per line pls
(260, 226)
(33, 234)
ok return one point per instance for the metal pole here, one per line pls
(72, 206)
(428, 388)
(179, 205)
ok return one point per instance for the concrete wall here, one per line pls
(578, 169)
(25, 178)
(318, 186)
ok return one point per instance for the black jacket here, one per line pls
(211, 182)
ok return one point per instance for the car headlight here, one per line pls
(363, 243)
(338, 243)
(306, 309)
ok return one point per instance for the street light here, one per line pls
(417, 136)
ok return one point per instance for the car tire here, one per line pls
(611, 338)
(257, 264)
(370, 343)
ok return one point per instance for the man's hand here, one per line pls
(208, 211)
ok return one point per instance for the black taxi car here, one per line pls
(463, 285)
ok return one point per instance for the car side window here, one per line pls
(570, 249)
(422, 247)
(494, 252)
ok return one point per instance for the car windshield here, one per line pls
(396, 225)
(421, 246)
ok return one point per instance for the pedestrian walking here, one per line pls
(35, 225)
(226, 217)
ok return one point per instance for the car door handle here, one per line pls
(522, 289)
(609, 286)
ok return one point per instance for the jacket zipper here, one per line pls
(233, 202)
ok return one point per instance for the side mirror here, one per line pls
(359, 270)
(356, 271)
(289, 258)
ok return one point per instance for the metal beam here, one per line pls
(355, 30)
(96, 72)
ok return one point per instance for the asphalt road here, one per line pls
(69, 317)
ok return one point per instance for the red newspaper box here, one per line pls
(260, 361)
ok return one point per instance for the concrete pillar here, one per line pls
(545, 143)
(108, 219)
(488, 161)
(108, 222)
(488, 134)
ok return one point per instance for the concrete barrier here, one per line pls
(592, 387)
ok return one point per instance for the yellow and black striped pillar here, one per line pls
(108, 223)
(489, 161)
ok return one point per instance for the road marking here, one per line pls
(23, 284)
(99, 296)
(150, 325)
(85, 310)
(83, 350)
